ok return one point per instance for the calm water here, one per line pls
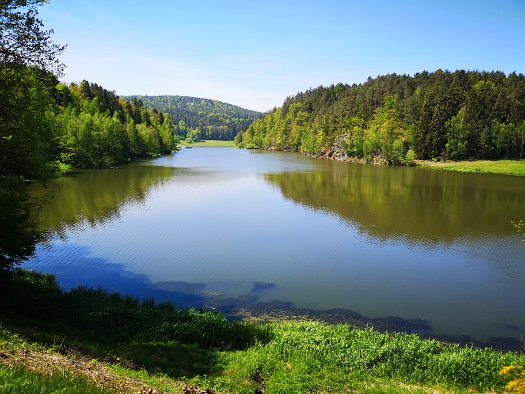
(221, 226)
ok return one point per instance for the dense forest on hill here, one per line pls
(399, 118)
(97, 128)
(83, 125)
(196, 118)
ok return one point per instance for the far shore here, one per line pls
(206, 143)
(503, 167)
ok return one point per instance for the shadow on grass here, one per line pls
(174, 359)
(140, 334)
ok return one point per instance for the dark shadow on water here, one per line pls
(181, 287)
(279, 310)
(118, 329)
(100, 273)
(261, 286)
(94, 272)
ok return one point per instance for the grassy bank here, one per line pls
(505, 167)
(132, 344)
(16, 380)
(208, 143)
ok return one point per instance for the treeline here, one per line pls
(96, 128)
(83, 125)
(45, 124)
(196, 119)
(398, 118)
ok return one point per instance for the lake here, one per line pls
(430, 251)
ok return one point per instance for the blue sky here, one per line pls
(256, 53)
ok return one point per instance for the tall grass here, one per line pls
(304, 357)
(205, 348)
(22, 381)
(112, 318)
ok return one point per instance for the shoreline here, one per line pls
(511, 167)
(250, 310)
(210, 143)
(272, 314)
(120, 343)
(501, 167)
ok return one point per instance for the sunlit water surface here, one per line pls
(222, 226)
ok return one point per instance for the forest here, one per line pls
(397, 119)
(92, 341)
(99, 129)
(82, 125)
(48, 126)
(198, 119)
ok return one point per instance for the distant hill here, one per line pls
(197, 118)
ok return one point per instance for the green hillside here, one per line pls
(399, 118)
(197, 119)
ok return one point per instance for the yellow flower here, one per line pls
(506, 369)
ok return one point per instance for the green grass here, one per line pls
(208, 143)
(20, 380)
(168, 348)
(506, 167)
(310, 356)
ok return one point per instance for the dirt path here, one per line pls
(49, 363)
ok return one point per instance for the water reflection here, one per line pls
(413, 205)
(237, 229)
(95, 197)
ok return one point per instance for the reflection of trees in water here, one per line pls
(18, 222)
(413, 204)
(95, 196)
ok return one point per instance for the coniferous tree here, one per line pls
(398, 118)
